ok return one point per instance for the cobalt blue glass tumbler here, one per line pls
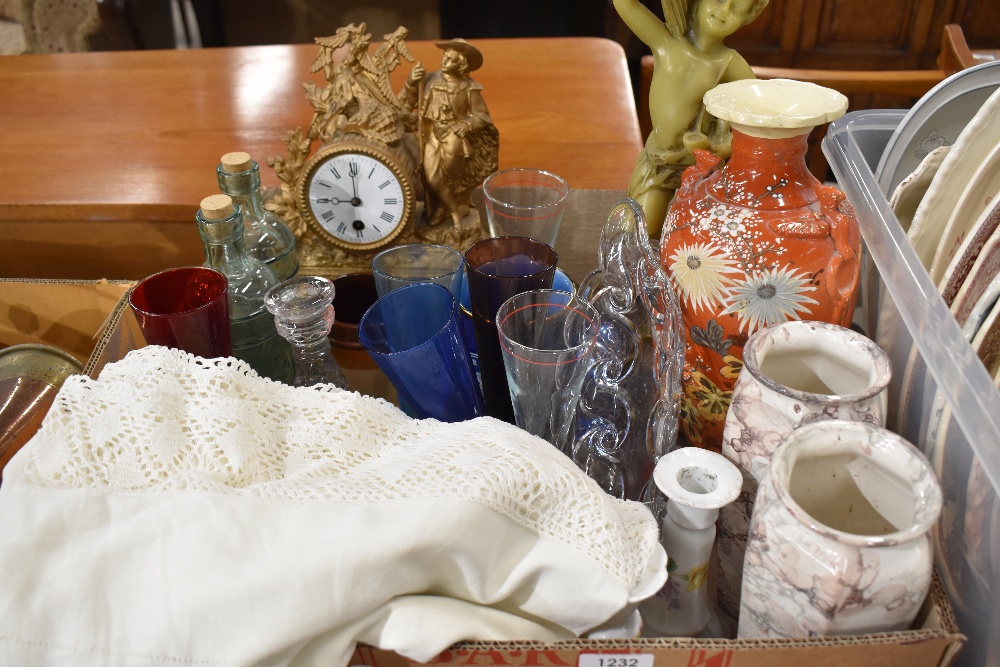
(413, 335)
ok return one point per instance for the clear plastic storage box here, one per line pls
(941, 397)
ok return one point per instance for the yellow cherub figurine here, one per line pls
(689, 59)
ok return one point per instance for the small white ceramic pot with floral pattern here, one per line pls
(793, 373)
(840, 538)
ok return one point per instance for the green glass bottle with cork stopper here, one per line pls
(255, 339)
(266, 237)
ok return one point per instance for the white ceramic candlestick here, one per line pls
(696, 482)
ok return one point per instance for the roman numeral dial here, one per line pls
(355, 196)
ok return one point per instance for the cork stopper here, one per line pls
(236, 162)
(216, 207)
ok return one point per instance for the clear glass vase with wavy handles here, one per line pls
(628, 408)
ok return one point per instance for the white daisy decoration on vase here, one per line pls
(770, 297)
(699, 272)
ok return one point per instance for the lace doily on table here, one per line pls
(162, 422)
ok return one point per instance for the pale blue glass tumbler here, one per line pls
(411, 263)
(413, 335)
(547, 337)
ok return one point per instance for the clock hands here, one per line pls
(352, 171)
(378, 206)
(355, 201)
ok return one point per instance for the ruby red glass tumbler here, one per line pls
(185, 308)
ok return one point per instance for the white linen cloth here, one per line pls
(186, 511)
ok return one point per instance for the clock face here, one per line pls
(356, 197)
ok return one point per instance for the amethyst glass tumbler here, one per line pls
(498, 269)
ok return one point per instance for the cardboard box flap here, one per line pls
(69, 315)
(936, 642)
(121, 335)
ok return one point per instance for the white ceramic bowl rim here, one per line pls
(775, 103)
(801, 439)
(880, 361)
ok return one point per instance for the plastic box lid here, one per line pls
(941, 397)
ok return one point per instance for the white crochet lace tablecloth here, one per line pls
(178, 511)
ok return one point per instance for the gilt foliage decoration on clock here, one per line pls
(374, 180)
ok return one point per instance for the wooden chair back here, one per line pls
(955, 54)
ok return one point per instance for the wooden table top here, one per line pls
(133, 137)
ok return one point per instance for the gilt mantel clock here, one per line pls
(365, 187)
(356, 196)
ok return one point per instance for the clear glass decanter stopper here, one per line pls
(265, 236)
(303, 313)
(255, 339)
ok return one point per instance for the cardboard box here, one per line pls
(92, 320)
(936, 643)
(82, 318)
(79, 318)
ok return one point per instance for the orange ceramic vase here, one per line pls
(755, 242)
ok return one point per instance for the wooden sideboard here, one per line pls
(106, 155)
(847, 35)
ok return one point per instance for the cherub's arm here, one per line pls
(737, 69)
(650, 30)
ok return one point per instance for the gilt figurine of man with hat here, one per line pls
(459, 143)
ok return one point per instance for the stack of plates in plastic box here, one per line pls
(942, 169)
